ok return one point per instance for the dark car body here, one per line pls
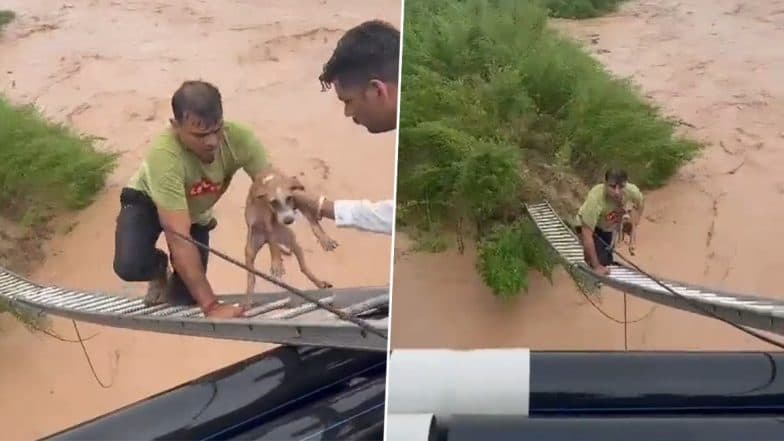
(300, 393)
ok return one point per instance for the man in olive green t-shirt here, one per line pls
(184, 173)
(601, 211)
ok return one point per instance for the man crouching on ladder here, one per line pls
(601, 215)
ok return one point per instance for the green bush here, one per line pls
(580, 8)
(45, 167)
(6, 17)
(508, 252)
(491, 94)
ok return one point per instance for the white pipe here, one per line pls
(447, 382)
(409, 427)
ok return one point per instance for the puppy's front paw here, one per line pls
(277, 270)
(328, 244)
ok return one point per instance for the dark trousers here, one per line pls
(603, 250)
(136, 258)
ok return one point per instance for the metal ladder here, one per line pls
(755, 312)
(280, 318)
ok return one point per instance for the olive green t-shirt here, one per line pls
(175, 179)
(599, 210)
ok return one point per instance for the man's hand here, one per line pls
(601, 269)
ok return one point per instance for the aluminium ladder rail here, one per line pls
(761, 313)
(280, 318)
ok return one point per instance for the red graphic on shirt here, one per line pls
(205, 186)
(614, 217)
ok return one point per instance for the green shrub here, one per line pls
(580, 8)
(491, 94)
(6, 17)
(45, 167)
(508, 252)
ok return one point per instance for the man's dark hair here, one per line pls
(200, 99)
(368, 51)
(616, 176)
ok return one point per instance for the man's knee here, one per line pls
(136, 259)
(129, 271)
(132, 271)
(140, 269)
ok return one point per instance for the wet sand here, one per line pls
(109, 68)
(711, 64)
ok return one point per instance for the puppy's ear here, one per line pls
(294, 184)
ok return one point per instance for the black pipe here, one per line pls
(239, 397)
(514, 428)
(638, 383)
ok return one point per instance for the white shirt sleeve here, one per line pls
(374, 217)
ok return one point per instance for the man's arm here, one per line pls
(588, 215)
(167, 188)
(374, 217)
(589, 246)
(185, 256)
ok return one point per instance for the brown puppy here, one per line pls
(627, 230)
(624, 231)
(269, 210)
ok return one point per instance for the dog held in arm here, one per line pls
(269, 211)
(625, 231)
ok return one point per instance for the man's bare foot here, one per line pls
(225, 311)
(156, 291)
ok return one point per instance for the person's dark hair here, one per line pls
(197, 98)
(616, 176)
(368, 51)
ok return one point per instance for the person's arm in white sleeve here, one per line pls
(364, 215)
(375, 217)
